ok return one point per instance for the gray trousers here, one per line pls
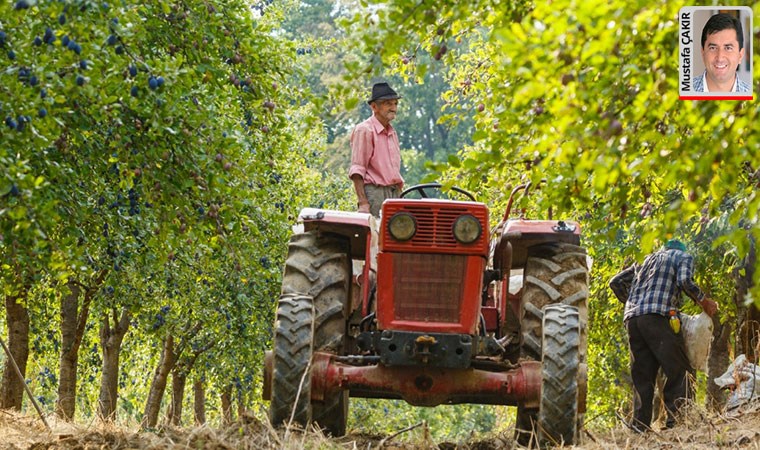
(377, 195)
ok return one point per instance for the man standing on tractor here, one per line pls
(651, 293)
(375, 153)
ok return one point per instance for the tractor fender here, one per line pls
(359, 228)
(523, 234)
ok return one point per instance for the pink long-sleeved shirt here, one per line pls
(375, 154)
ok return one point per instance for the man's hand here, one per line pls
(364, 206)
(709, 306)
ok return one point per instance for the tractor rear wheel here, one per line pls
(560, 374)
(293, 350)
(318, 266)
(555, 273)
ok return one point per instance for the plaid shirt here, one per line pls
(698, 84)
(655, 286)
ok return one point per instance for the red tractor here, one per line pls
(432, 306)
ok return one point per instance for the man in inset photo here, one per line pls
(722, 53)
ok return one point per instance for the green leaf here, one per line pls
(470, 163)
(351, 103)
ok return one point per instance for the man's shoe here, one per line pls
(638, 428)
(634, 425)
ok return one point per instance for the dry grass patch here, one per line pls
(704, 431)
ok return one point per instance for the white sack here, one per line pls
(743, 378)
(697, 335)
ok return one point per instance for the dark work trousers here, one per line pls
(653, 345)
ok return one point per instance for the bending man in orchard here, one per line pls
(651, 293)
(375, 154)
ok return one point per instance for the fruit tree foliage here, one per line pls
(157, 142)
(584, 96)
(581, 98)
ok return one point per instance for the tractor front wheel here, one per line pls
(561, 373)
(318, 266)
(291, 368)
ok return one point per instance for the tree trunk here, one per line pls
(67, 386)
(717, 364)
(227, 405)
(199, 402)
(240, 403)
(73, 322)
(110, 341)
(17, 320)
(170, 355)
(747, 330)
(179, 379)
(158, 385)
(748, 339)
(752, 335)
(443, 133)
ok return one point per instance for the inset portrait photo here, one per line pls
(715, 53)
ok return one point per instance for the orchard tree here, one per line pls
(136, 134)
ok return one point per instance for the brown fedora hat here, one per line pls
(382, 91)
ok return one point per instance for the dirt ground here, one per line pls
(736, 431)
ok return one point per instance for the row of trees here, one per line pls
(152, 163)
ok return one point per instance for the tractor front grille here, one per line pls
(428, 287)
(435, 225)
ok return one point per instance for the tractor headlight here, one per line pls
(402, 226)
(467, 229)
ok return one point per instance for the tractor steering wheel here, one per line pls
(425, 191)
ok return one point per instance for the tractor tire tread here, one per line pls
(293, 349)
(560, 366)
(318, 265)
